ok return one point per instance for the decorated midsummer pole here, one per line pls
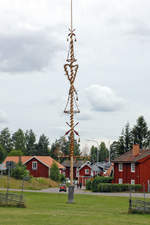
(70, 71)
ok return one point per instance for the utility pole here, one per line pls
(71, 107)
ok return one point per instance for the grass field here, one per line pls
(33, 184)
(52, 209)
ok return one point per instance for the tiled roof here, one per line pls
(44, 159)
(129, 157)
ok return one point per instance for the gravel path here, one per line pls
(82, 191)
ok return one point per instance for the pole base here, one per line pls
(71, 194)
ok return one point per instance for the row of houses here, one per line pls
(133, 167)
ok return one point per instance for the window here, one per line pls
(132, 167)
(120, 167)
(132, 181)
(86, 171)
(34, 165)
(120, 181)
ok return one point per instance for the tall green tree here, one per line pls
(140, 132)
(18, 139)
(3, 154)
(103, 152)
(5, 140)
(128, 139)
(94, 154)
(42, 146)
(30, 142)
(114, 150)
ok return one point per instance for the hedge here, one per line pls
(99, 180)
(92, 184)
(118, 187)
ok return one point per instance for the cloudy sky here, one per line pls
(113, 52)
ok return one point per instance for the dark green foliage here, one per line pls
(61, 147)
(97, 180)
(103, 152)
(19, 172)
(88, 184)
(18, 139)
(30, 143)
(42, 146)
(54, 172)
(5, 140)
(106, 187)
(94, 153)
(2, 154)
(140, 132)
(15, 153)
(62, 178)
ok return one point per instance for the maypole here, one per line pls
(71, 108)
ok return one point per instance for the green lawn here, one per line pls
(52, 209)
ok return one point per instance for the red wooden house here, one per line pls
(38, 166)
(76, 165)
(133, 167)
(87, 171)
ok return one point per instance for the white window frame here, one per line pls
(87, 171)
(34, 165)
(132, 181)
(133, 167)
(120, 181)
(120, 167)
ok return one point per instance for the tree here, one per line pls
(61, 147)
(2, 154)
(18, 139)
(42, 146)
(140, 132)
(30, 142)
(94, 154)
(114, 150)
(54, 172)
(103, 152)
(5, 140)
(15, 153)
(128, 140)
(20, 171)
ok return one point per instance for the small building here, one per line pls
(38, 166)
(87, 171)
(76, 165)
(133, 167)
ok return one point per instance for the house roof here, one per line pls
(129, 157)
(46, 160)
(77, 163)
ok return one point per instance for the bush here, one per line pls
(88, 184)
(98, 180)
(19, 172)
(62, 178)
(104, 187)
(54, 172)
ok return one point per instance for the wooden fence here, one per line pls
(139, 206)
(9, 199)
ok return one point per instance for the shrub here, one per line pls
(54, 172)
(104, 187)
(19, 172)
(97, 180)
(88, 184)
(62, 178)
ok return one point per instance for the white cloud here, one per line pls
(103, 99)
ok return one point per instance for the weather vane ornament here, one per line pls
(71, 69)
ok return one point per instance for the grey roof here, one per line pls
(77, 163)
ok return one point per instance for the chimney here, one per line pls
(135, 150)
